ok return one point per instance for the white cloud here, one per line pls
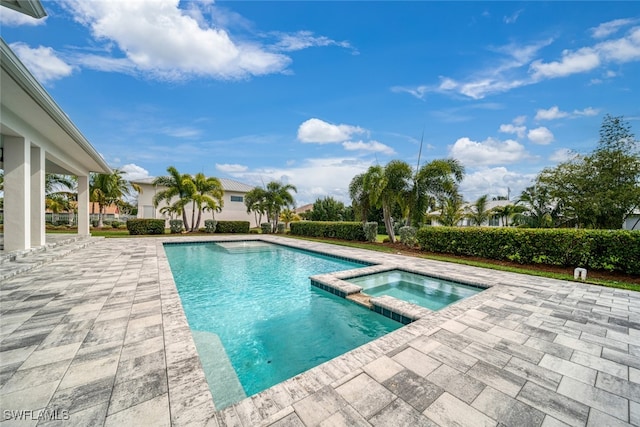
(320, 132)
(624, 49)
(510, 128)
(303, 40)
(498, 181)
(161, 40)
(520, 120)
(561, 155)
(231, 168)
(554, 113)
(11, 18)
(133, 172)
(513, 17)
(371, 146)
(589, 111)
(488, 152)
(608, 28)
(582, 60)
(550, 114)
(43, 62)
(540, 136)
(419, 91)
(181, 132)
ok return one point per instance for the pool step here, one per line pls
(223, 382)
(362, 299)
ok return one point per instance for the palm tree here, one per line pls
(207, 195)
(176, 185)
(451, 212)
(287, 216)
(276, 197)
(254, 201)
(385, 185)
(360, 200)
(507, 212)
(106, 189)
(539, 211)
(434, 181)
(479, 213)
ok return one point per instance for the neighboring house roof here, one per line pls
(304, 208)
(32, 8)
(227, 184)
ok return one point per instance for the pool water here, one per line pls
(255, 318)
(425, 291)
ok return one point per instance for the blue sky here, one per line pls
(313, 93)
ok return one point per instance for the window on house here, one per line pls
(237, 199)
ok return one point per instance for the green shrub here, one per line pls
(176, 226)
(340, 230)
(116, 224)
(232, 227)
(408, 235)
(265, 227)
(281, 227)
(254, 231)
(106, 223)
(145, 226)
(612, 250)
(210, 225)
(370, 231)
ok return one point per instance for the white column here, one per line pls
(37, 222)
(83, 205)
(17, 202)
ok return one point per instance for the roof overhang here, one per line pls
(32, 8)
(24, 97)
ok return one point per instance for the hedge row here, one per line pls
(232, 227)
(611, 250)
(145, 226)
(339, 230)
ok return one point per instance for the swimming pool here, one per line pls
(425, 291)
(255, 318)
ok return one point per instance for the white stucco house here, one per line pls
(234, 208)
(36, 137)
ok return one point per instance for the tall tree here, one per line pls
(479, 213)
(540, 210)
(385, 185)
(451, 212)
(438, 179)
(107, 189)
(276, 197)
(327, 209)
(360, 200)
(602, 189)
(207, 194)
(254, 200)
(177, 186)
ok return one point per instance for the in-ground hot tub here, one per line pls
(426, 291)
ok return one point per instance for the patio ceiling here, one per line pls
(23, 97)
(32, 8)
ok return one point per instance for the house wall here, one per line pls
(233, 209)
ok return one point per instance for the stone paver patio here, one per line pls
(98, 337)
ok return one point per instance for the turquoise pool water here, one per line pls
(425, 291)
(257, 320)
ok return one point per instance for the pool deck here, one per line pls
(97, 336)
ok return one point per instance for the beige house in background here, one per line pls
(234, 208)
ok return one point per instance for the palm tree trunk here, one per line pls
(184, 219)
(101, 209)
(386, 214)
(193, 216)
(197, 225)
